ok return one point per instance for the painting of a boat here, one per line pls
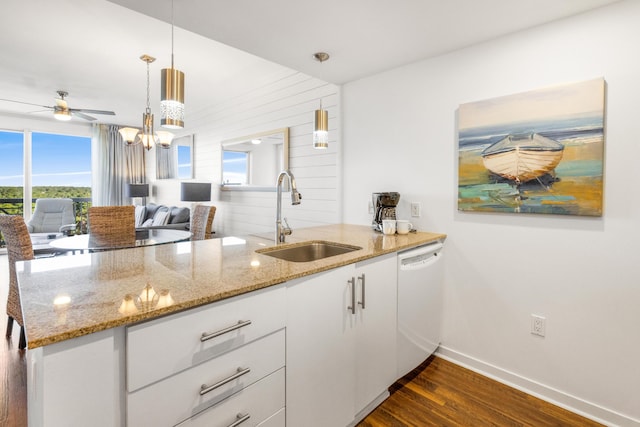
(534, 152)
(521, 158)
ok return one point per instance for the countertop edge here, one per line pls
(314, 267)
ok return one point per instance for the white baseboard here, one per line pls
(369, 408)
(574, 404)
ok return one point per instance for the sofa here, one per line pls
(152, 215)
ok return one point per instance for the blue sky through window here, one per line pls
(57, 160)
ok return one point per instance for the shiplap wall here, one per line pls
(288, 99)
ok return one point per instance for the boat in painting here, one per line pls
(521, 158)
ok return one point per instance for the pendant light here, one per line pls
(321, 122)
(172, 92)
(146, 135)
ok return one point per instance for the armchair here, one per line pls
(52, 216)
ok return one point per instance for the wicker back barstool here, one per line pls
(112, 225)
(202, 222)
(19, 248)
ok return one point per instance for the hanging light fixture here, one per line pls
(172, 92)
(146, 135)
(321, 122)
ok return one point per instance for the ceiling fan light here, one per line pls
(62, 114)
(172, 98)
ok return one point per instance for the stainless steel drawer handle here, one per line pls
(240, 419)
(204, 389)
(207, 336)
(352, 307)
(361, 278)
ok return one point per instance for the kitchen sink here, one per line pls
(308, 251)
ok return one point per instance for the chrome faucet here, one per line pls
(285, 230)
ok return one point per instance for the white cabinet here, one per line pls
(320, 350)
(340, 358)
(375, 328)
(194, 336)
(260, 404)
(207, 365)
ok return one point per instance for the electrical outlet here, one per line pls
(538, 325)
(415, 210)
(370, 207)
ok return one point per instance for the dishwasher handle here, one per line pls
(421, 257)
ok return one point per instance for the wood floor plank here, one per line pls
(440, 393)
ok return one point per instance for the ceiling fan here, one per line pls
(61, 110)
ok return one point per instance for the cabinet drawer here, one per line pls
(279, 419)
(263, 402)
(178, 338)
(178, 397)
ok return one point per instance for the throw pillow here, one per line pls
(179, 215)
(152, 208)
(160, 218)
(141, 211)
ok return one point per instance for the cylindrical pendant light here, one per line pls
(321, 129)
(172, 98)
(172, 92)
(321, 122)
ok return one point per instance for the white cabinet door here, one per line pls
(375, 328)
(320, 350)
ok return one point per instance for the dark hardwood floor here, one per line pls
(440, 393)
(437, 393)
(13, 368)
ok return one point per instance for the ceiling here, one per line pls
(91, 48)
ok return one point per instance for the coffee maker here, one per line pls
(384, 207)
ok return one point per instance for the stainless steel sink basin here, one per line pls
(308, 251)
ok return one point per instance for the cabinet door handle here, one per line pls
(204, 389)
(240, 419)
(361, 278)
(352, 307)
(241, 323)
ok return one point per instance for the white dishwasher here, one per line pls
(420, 276)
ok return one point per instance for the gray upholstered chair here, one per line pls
(19, 248)
(52, 216)
(202, 222)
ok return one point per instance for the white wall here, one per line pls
(582, 274)
(284, 100)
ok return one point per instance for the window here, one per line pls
(11, 172)
(184, 162)
(61, 161)
(60, 166)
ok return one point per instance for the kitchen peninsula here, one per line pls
(108, 332)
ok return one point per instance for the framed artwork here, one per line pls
(534, 152)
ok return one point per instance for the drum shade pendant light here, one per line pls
(172, 92)
(146, 135)
(321, 122)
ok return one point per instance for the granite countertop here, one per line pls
(65, 297)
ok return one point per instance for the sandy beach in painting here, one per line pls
(572, 115)
(577, 191)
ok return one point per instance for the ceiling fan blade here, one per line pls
(81, 115)
(84, 110)
(26, 103)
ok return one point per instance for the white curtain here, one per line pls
(167, 162)
(114, 164)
